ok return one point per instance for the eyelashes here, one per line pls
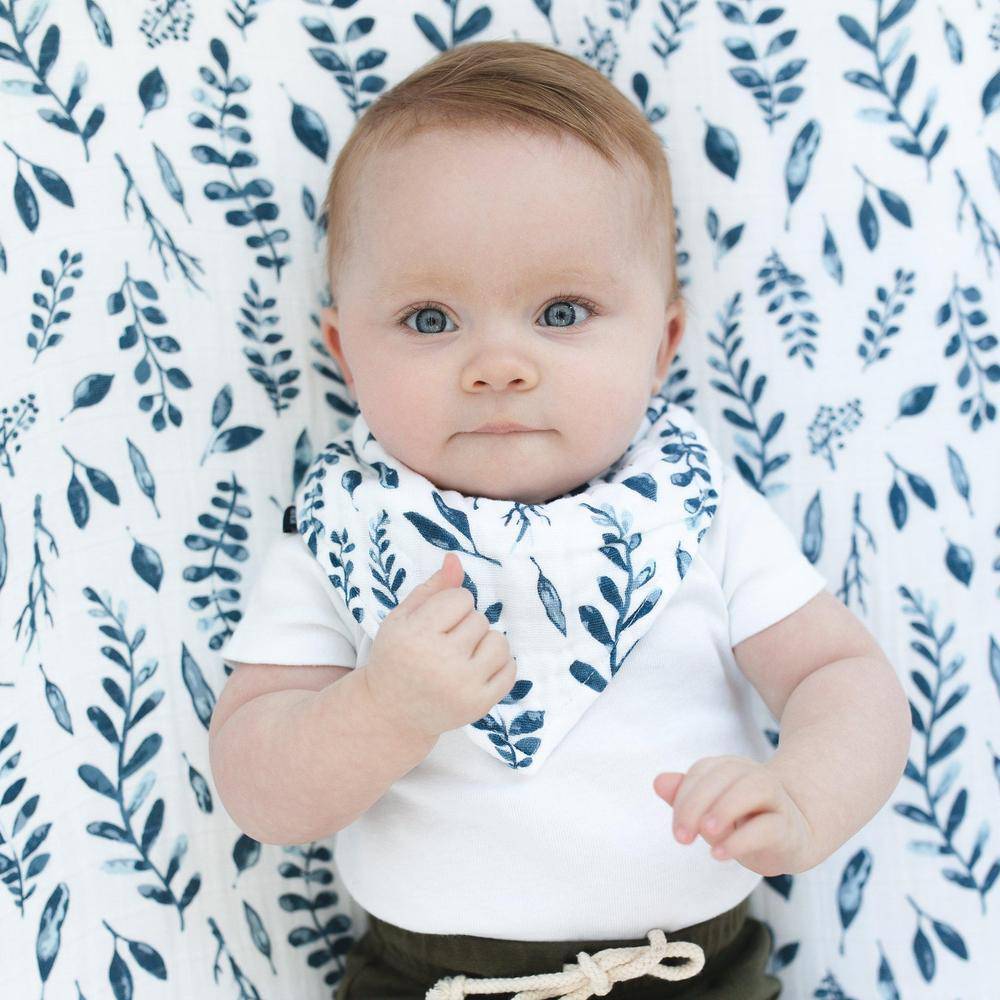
(577, 300)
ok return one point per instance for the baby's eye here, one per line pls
(433, 322)
(565, 312)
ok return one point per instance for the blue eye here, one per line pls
(435, 324)
(557, 307)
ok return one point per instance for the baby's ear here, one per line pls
(673, 330)
(329, 322)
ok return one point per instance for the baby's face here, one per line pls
(459, 304)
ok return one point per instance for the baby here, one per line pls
(501, 253)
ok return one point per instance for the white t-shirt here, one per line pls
(584, 849)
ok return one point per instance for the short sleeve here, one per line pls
(762, 571)
(290, 616)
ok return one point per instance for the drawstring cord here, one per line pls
(593, 975)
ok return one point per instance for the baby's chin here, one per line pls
(519, 486)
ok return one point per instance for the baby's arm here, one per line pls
(845, 719)
(299, 752)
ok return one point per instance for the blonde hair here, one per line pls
(520, 85)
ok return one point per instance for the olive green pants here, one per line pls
(391, 963)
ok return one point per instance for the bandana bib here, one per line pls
(573, 583)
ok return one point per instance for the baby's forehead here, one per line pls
(413, 219)
(447, 170)
(526, 250)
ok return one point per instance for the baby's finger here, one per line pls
(752, 792)
(698, 790)
(450, 574)
(469, 632)
(760, 831)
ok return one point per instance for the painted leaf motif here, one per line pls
(310, 130)
(152, 91)
(57, 703)
(101, 27)
(722, 150)
(49, 50)
(201, 694)
(51, 182)
(26, 202)
(800, 159)
(147, 563)
(49, 928)
(991, 95)
(120, 977)
(91, 390)
(148, 958)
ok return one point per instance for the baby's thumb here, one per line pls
(450, 574)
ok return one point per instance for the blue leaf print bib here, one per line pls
(574, 583)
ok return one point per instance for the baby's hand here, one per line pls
(741, 808)
(436, 664)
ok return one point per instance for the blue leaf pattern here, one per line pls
(837, 217)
